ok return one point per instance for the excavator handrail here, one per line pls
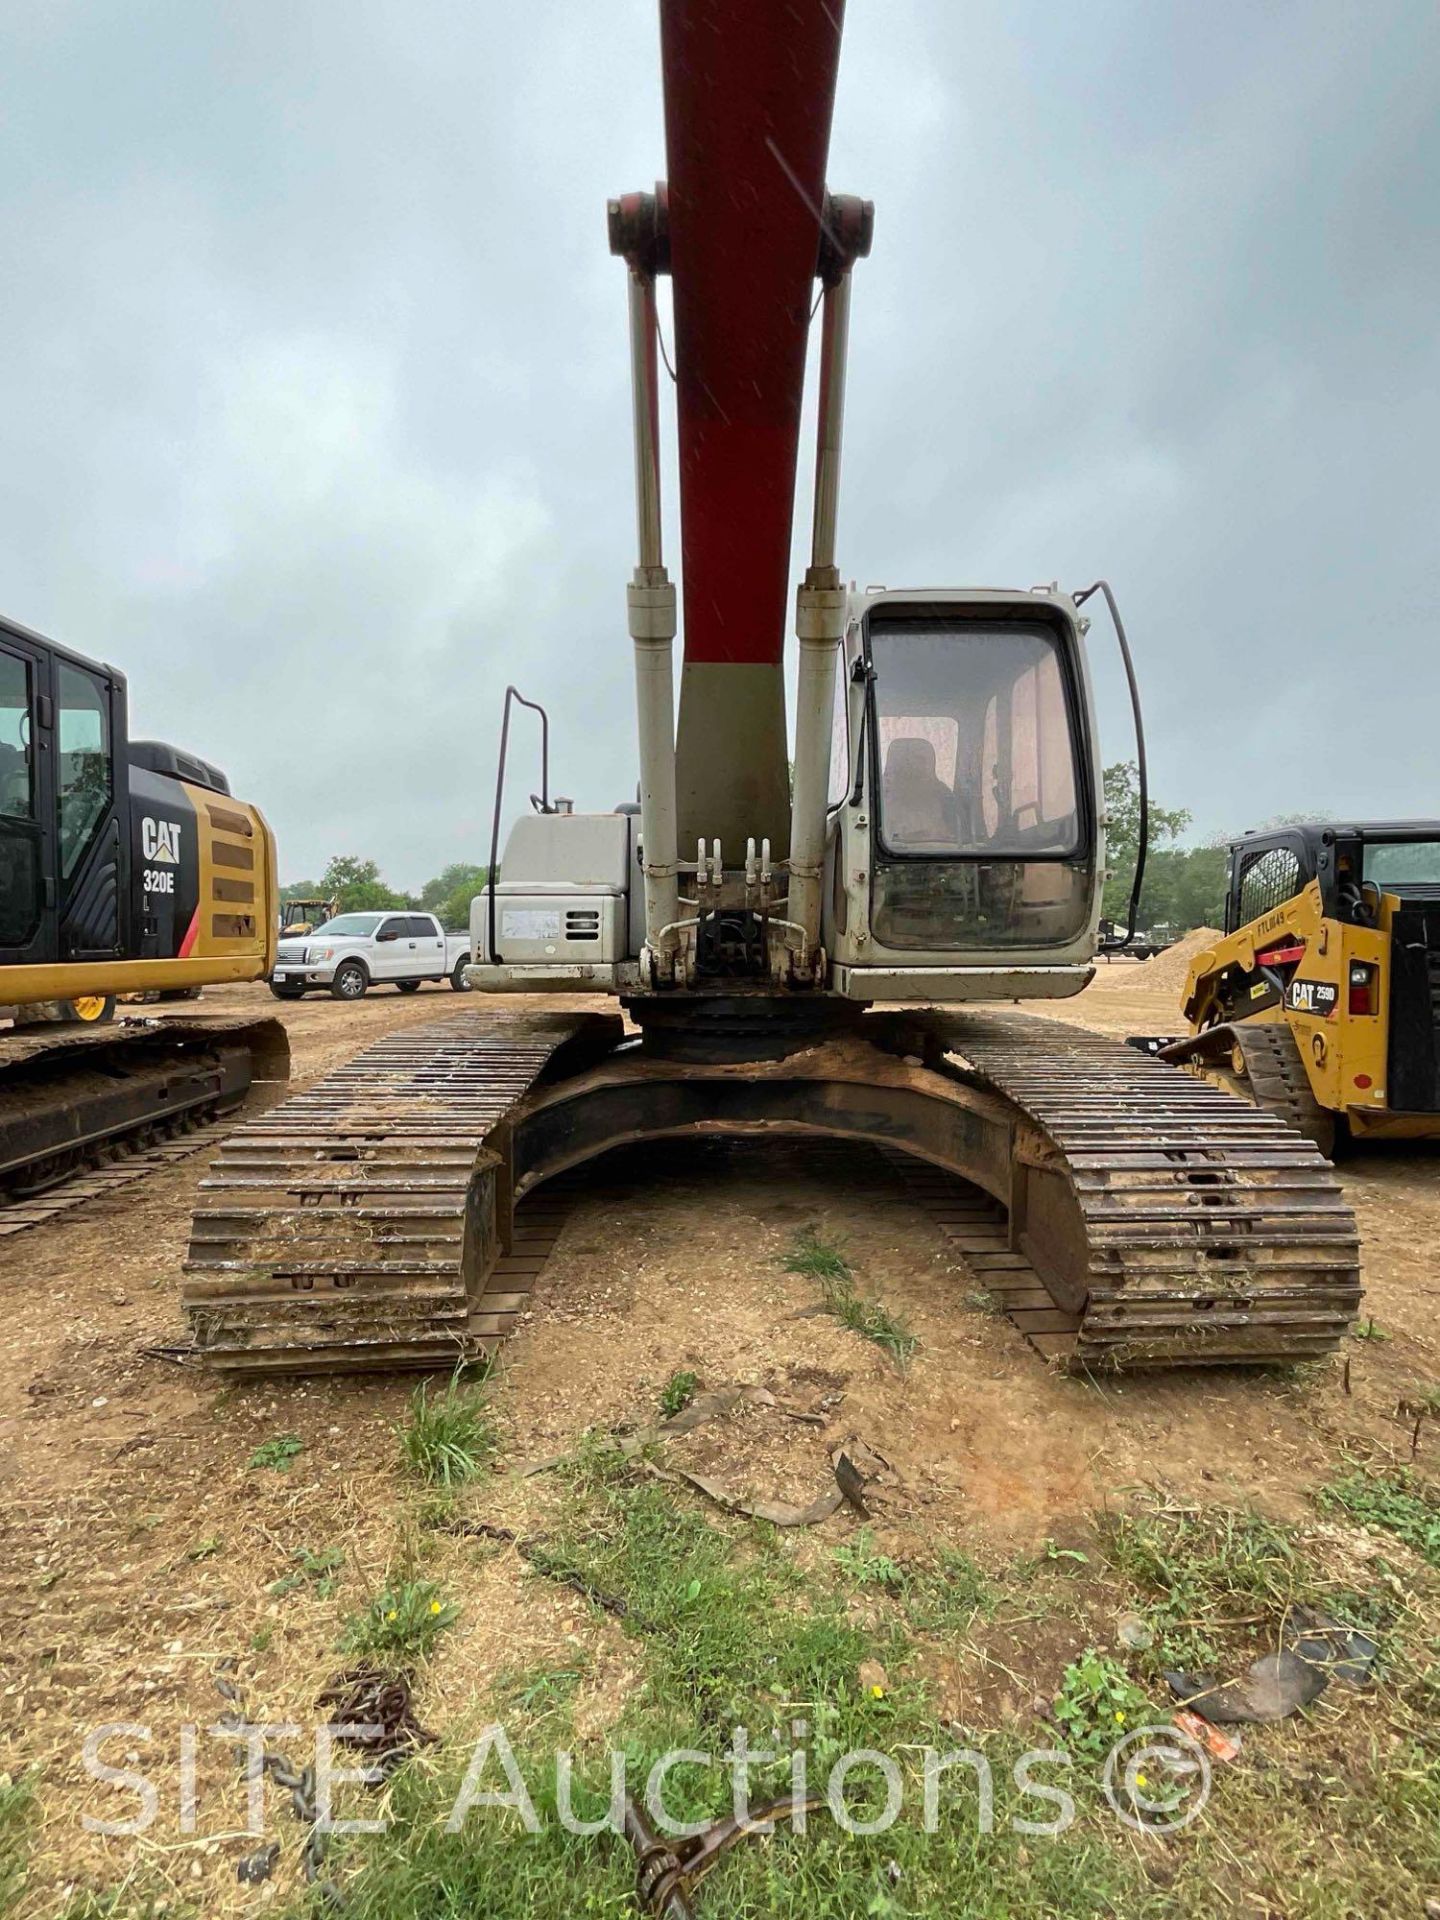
(512, 694)
(1103, 586)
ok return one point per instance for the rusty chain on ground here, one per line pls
(370, 1710)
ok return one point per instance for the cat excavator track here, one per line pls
(1147, 1219)
(89, 1100)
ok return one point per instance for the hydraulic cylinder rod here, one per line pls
(820, 601)
(651, 605)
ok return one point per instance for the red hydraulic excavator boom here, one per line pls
(743, 225)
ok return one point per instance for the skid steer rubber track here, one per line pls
(1214, 1233)
(74, 1099)
(1270, 1073)
(362, 1223)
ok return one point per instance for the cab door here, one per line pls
(28, 917)
(429, 945)
(91, 795)
(391, 957)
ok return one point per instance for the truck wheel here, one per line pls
(408, 986)
(351, 981)
(457, 978)
(286, 993)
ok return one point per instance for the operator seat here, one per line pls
(919, 809)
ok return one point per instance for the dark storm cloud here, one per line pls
(314, 375)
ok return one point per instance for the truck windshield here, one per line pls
(352, 923)
(977, 753)
(1403, 863)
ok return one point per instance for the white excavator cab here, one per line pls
(963, 858)
(962, 853)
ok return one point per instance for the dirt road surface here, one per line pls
(141, 1544)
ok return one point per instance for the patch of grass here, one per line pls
(1209, 1560)
(16, 1806)
(859, 1559)
(730, 1633)
(1204, 1571)
(317, 1571)
(869, 1318)
(449, 1437)
(406, 1620)
(717, 1625)
(279, 1454)
(724, 1628)
(946, 1596)
(677, 1393)
(493, 1866)
(876, 1322)
(1368, 1330)
(1396, 1500)
(598, 1462)
(1098, 1704)
(811, 1257)
(938, 1597)
(126, 1903)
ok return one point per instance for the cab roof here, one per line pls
(1315, 832)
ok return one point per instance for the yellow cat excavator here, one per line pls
(812, 963)
(126, 867)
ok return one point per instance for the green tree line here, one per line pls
(1184, 886)
(359, 887)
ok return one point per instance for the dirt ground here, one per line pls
(139, 1542)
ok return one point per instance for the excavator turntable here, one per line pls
(816, 956)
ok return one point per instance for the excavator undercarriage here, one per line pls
(396, 1214)
(92, 1100)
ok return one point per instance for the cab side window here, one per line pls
(840, 735)
(83, 770)
(17, 761)
(19, 837)
(1268, 881)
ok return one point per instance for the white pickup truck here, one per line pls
(357, 951)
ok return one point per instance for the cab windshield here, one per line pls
(351, 923)
(981, 840)
(977, 753)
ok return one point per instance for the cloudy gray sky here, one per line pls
(314, 399)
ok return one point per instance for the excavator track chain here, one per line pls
(1215, 1234)
(365, 1222)
(1127, 1214)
